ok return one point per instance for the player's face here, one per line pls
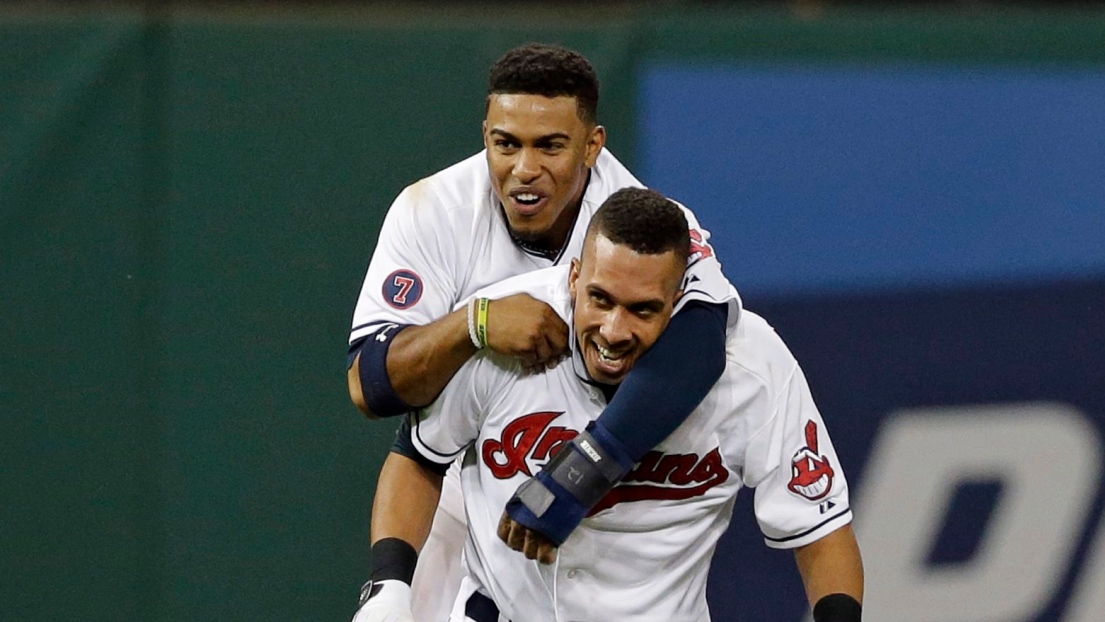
(622, 301)
(539, 152)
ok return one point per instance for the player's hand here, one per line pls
(387, 601)
(525, 540)
(522, 326)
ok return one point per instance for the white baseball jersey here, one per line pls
(445, 237)
(644, 551)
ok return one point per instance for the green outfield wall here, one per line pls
(188, 200)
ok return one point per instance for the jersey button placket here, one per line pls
(597, 398)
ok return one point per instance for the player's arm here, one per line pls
(409, 370)
(669, 381)
(407, 340)
(408, 489)
(410, 367)
(802, 501)
(665, 386)
(832, 571)
(407, 492)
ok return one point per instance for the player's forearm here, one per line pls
(423, 359)
(831, 565)
(406, 498)
(420, 362)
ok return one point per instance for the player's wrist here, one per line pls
(557, 499)
(393, 559)
(386, 597)
(837, 608)
(477, 321)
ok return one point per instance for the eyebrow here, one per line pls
(647, 305)
(545, 138)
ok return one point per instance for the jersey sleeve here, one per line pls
(409, 279)
(704, 279)
(445, 428)
(801, 493)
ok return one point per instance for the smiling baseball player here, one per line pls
(644, 551)
(520, 205)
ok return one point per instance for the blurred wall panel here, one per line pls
(79, 452)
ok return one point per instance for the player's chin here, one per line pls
(528, 228)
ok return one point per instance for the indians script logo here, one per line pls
(811, 473)
(657, 476)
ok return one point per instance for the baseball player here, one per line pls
(644, 551)
(520, 205)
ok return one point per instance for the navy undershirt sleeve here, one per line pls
(354, 350)
(404, 446)
(670, 380)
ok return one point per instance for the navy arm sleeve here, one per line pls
(670, 380)
(376, 388)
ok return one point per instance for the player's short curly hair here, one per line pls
(644, 220)
(548, 70)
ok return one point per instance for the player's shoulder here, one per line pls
(609, 176)
(460, 186)
(608, 164)
(755, 348)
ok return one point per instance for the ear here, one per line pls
(573, 276)
(483, 131)
(595, 142)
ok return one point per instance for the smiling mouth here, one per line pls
(609, 365)
(527, 203)
(608, 356)
(526, 198)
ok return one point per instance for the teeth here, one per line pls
(526, 197)
(607, 354)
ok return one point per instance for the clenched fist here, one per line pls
(522, 326)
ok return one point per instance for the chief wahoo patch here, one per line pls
(811, 473)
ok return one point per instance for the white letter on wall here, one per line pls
(1047, 457)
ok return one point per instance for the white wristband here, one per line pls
(472, 324)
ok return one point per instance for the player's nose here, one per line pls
(526, 165)
(616, 328)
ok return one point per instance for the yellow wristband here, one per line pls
(481, 321)
(472, 324)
